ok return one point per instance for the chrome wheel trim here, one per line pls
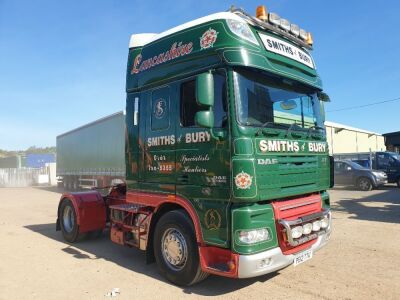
(174, 249)
(68, 219)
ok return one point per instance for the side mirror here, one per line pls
(205, 89)
(323, 97)
(204, 118)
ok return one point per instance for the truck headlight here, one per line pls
(325, 222)
(297, 232)
(307, 228)
(254, 236)
(316, 225)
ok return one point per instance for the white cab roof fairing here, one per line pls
(140, 40)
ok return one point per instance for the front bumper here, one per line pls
(380, 181)
(272, 260)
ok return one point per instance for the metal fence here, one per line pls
(23, 177)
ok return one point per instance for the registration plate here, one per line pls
(302, 257)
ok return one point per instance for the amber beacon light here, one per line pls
(261, 13)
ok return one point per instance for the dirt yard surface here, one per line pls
(362, 260)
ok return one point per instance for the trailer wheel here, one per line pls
(364, 184)
(175, 249)
(68, 222)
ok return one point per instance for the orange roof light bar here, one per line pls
(261, 13)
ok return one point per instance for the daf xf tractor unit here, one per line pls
(227, 164)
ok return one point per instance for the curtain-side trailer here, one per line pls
(92, 155)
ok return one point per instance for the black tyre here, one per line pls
(68, 221)
(398, 182)
(364, 184)
(175, 249)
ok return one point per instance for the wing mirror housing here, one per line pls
(205, 98)
(205, 89)
(323, 97)
(204, 118)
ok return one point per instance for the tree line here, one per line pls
(30, 150)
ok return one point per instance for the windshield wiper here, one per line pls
(289, 130)
(313, 127)
(264, 125)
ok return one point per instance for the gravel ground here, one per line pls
(361, 261)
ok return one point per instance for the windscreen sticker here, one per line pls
(292, 146)
(283, 48)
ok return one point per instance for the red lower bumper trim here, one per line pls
(219, 261)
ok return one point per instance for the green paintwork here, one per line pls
(253, 217)
(94, 149)
(201, 164)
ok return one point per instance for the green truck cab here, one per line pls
(227, 164)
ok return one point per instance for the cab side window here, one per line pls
(189, 106)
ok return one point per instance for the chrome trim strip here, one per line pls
(287, 225)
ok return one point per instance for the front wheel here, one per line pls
(364, 184)
(175, 249)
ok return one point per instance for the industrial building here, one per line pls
(392, 141)
(345, 139)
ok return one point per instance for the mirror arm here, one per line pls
(217, 136)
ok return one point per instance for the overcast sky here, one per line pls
(63, 63)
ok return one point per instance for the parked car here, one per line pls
(388, 162)
(348, 172)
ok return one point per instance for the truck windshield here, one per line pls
(267, 100)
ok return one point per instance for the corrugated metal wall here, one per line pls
(344, 139)
(13, 177)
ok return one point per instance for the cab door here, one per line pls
(386, 163)
(343, 176)
(203, 161)
(159, 140)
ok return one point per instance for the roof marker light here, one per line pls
(309, 39)
(294, 29)
(274, 19)
(242, 30)
(303, 34)
(261, 13)
(285, 24)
